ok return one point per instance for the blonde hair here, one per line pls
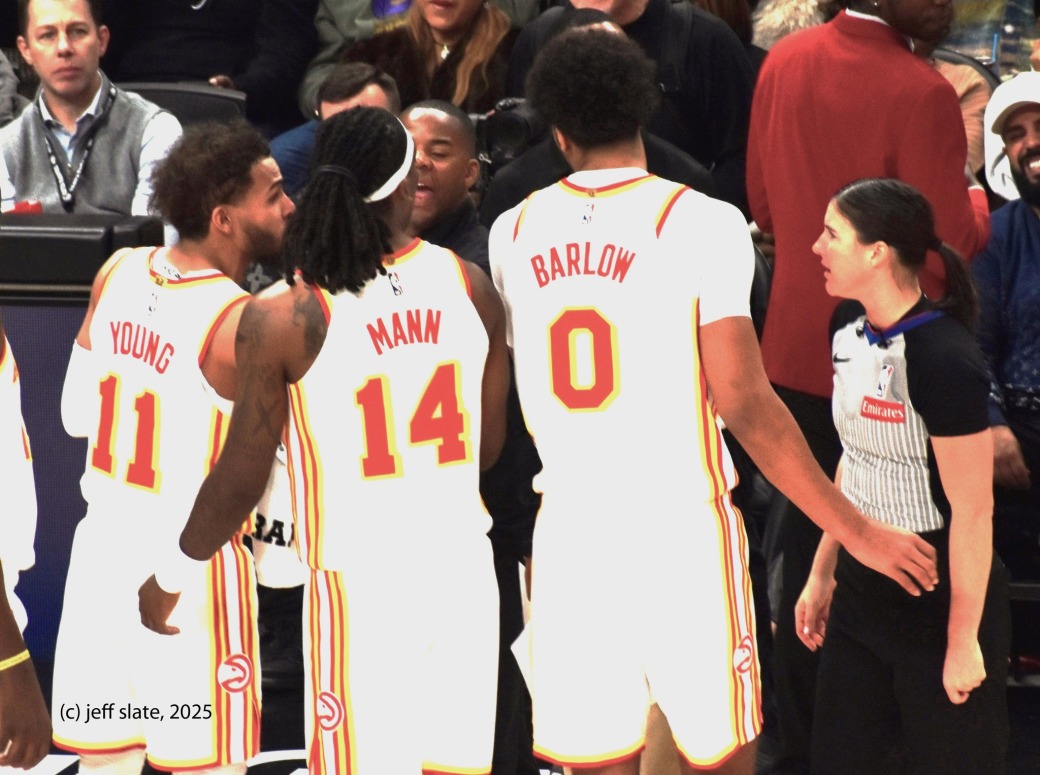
(489, 27)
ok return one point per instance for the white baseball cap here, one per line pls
(1022, 90)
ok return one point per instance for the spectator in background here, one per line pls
(260, 47)
(11, 102)
(85, 146)
(834, 103)
(776, 19)
(346, 86)
(444, 214)
(737, 16)
(973, 92)
(542, 164)
(342, 23)
(702, 69)
(457, 52)
(446, 160)
(1008, 276)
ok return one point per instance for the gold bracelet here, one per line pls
(17, 659)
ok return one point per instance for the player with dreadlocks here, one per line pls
(383, 361)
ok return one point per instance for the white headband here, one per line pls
(394, 180)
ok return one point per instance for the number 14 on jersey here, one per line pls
(439, 419)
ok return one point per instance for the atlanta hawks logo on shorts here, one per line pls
(744, 654)
(235, 673)
(329, 711)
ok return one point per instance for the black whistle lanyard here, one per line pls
(67, 189)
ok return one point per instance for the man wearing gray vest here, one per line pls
(83, 145)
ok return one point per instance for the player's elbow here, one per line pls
(79, 394)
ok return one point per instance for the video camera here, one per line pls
(504, 132)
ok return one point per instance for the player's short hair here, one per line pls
(210, 165)
(597, 87)
(460, 118)
(94, 6)
(349, 79)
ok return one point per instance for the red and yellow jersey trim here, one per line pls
(611, 190)
(409, 251)
(303, 458)
(218, 428)
(520, 217)
(236, 715)
(98, 748)
(191, 279)
(330, 639)
(463, 274)
(732, 543)
(439, 769)
(602, 760)
(211, 329)
(666, 209)
(324, 299)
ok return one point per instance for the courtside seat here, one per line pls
(192, 101)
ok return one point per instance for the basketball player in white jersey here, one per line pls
(627, 300)
(24, 727)
(150, 385)
(386, 357)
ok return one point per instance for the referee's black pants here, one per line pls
(881, 708)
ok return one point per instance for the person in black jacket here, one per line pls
(702, 69)
(260, 47)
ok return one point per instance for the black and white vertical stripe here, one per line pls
(885, 465)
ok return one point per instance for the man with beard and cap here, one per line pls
(1008, 277)
(150, 385)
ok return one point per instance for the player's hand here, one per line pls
(813, 609)
(963, 669)
(1009, 467)
(222, 81)
(25, 728)
(156, 605)
(904, 557)
(1034, 57)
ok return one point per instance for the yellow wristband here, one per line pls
(17, 659)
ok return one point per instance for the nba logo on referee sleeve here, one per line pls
(883, 379)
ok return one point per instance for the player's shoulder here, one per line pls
(686, 208)
(123, 257)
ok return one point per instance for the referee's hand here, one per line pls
(156, 605)
(963, 670)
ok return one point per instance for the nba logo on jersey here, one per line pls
(883, 379)
(586, 217)
(395, 283)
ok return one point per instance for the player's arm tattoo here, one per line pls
(260, 379)
(307, 312)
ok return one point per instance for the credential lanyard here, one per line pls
(67, 190)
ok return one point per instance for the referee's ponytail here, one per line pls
(962, 297)
(891, 211)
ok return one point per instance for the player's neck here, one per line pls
(197, 255)
(627, 153)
